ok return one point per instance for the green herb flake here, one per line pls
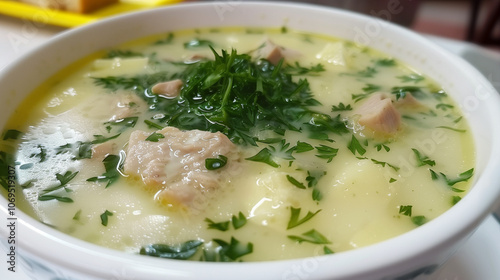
(222, 226)
(155, 137)
(405, 210)
(341, 107)
(264, 156)
(327, 251)
(419, 220)
(77, 215)
(415, 78)
(47, 197)
(385, 62)
(302, 147)
(234, 249)
(112, 165)
(326, 152)
(295, 220)
(295, 182)
(98, 139)
(354, 146)
(422, 160)
(104, 217)
(238, 221)
(312, 236)
(215, 163)
(182, 251)
(379, 147)
(455, 199)
(462, 177)
(452, 128)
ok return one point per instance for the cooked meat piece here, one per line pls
(270, 51)
(100, 151)
(174, 166)
(169, 89)
(379, 114)
(124, 106)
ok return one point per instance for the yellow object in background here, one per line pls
(70, 19)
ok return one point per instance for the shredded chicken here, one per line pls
(174, 166)
(169, 89)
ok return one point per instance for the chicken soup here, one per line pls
(238, 144)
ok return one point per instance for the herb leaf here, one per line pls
(182, 251)
(222, 226)
(155, 137)
(423, 160)
(239, 221)
(294, 217)
(264, 156)
(354, 146)
(326, 152)
(233, 250)
(215, 163)
(295, 182)
(312, 236)
(405, 210)
(104, 217)
(112, 167)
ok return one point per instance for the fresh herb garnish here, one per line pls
(303, 147)
(354, 146)
(234, 249)
(215, 163)
(312, 236)
(415, 78)
(155, 137)
(326, 152)
(104, 217)
(382, 146)
(385, 62)
(222, 226)
(419, 220)
(47, 197)
(298, 69)
(295, 182)
(264, 156)
(122, 123)
(405, 210)
(239, 221)
(423, 160)
(341, 107)
(112, 166)
(295, 220)
(451, 128)
(63, 179)
(182, 251)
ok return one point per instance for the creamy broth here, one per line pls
(332, 192)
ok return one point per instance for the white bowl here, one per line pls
(49, 253)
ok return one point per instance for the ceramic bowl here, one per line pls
(50, 254)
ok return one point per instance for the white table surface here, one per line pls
(472, 262)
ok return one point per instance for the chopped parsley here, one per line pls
(215, 163)
(182, 251)
(295, 220)
(112, 165)
(354, 146)
(312, 236)
(104, 217)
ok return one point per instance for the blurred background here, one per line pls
(476, 21)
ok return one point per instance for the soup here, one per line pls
(238, 145)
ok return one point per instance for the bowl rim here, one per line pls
(51, 237)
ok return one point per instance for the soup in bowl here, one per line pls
(282, 141)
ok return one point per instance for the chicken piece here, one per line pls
(270, 51)
(125, 106)
(169, 89)
(379, 114)
(100, 151)
(174, 166)
(409, 101)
